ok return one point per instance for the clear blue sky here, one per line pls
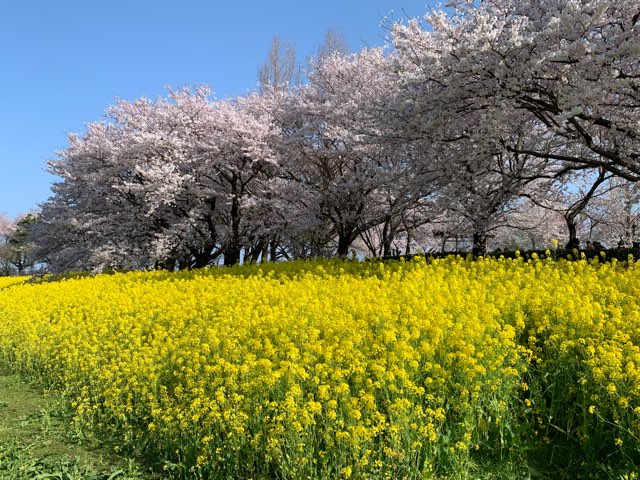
(64, 62)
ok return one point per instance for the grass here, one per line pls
(38, 441)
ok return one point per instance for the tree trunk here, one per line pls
(264, 255)
(168, 264)
(572, 227)
(387, 238)
(479, 244)
(345, 239)
(343, 246)
(231, 255)
(274, 250)
(407, 250)
(254, 252)
(577, 208)
(232, 251)
(444, 243)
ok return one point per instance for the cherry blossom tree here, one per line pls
(571, 197)
(347, 177)
(7, 226)
(74, 220)
(614, 216)
(530, 227)
(15, 244)
(499, 111)
(572, 66)
(163, 183)
(237, 149)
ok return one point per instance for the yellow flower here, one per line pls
(382, 365)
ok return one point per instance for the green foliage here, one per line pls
(37, 443)
(599, 255)
(15, 251)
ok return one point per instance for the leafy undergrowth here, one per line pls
(36, 441)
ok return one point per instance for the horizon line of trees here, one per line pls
(501, 123)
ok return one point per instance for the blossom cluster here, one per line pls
(6, 282)
(332, 369)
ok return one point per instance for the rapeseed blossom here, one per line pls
(330, 369)
(11, 281)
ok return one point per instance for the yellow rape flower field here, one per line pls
(9, 281)
(326, 369)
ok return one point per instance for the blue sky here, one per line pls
(64, 62)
